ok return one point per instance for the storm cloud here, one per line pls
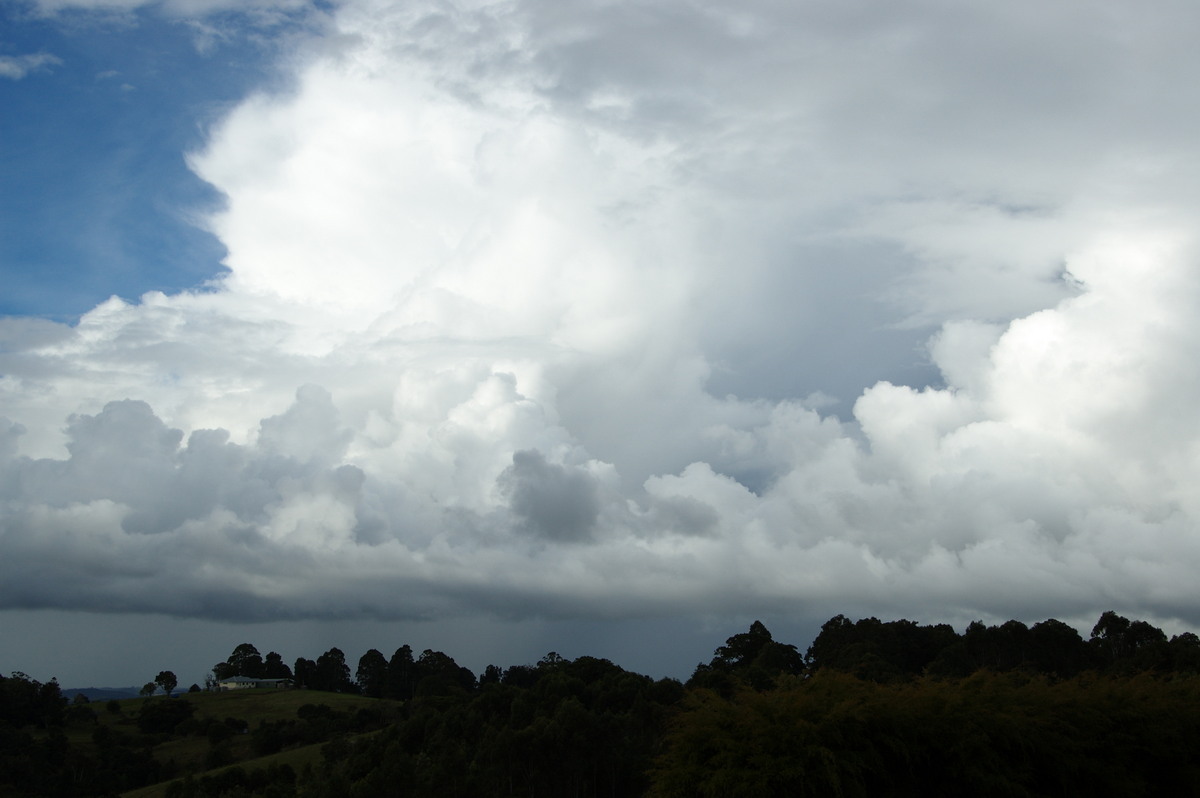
(622, 311)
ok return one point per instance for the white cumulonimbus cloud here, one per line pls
(597, 313)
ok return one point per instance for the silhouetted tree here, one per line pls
(275, 668)
(1185, 653)
(886, 651)
(997, 648)
(332, 674)
(492, 674)
(304, 672)
(1129, 645)
(25, 701)
(167, 681)
(244, 661)
(753, 657)
(1057, 649)
(402, 675)
(372, 674)
(439, 674)
(1108, 637)
(519, 676)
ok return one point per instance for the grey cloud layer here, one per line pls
(616, 311)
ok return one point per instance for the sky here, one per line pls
(606, 327)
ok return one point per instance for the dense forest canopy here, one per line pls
(870, 708)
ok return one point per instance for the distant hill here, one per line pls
(101, 693)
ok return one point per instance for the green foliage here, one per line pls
(877, 650)
(584, 728)
(274, 781)
(25, 701)
(38, 758)
(900, 650)
(437, 674)
(79, 713)
(752, 658)
(162, 717)
(990, 734)
(1130, 646)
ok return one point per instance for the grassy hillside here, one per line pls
(295, 758)
(227, 729)
(269, 705)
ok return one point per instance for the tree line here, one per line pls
(888, 651)
(870, 648)
(870, 708)
(401, 677)
(38, 759)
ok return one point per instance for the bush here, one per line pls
(162, 717)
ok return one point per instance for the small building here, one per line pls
(249, 683)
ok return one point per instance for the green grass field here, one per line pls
(297, 758)
(256, 705)
(189, 753)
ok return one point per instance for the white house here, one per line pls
(247, 683)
